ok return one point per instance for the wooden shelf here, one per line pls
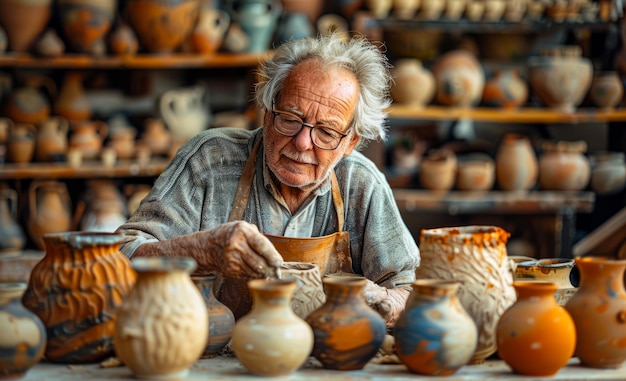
(498, 115)
(88, 170)
(142, 61)
(496, 202)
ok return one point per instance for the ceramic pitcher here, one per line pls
(49, 210)
(52, 139)
(12, 237)
(88, 136)
(258, 19)
(186, 111)
(21, 143)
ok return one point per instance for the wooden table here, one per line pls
(229, 368)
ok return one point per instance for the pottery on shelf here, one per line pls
(12, 236)
(208, 34)
(186, 111)
(88, 137)
(27, 103)
(517, 166)
(85, 23)
(606, 90)
(52, 139)
(348, 333)
(76, 290)
(271, 340)
(460, 79)
(23, 338)
(536, 336)
(413, 84)
(20, 145)
(72, 102)
(49, 45)
(505, 89)
(49, 210)
(608, 172)
(23, 21)
(258, 19)
(564, 166)
(476, 256)
(435, 335)
(437, 170)
(161, 328)
(122, 40)
(475, 172)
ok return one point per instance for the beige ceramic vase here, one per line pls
(413, 85)
(476, 256)
(460, 79)
(517, 166)
(310, 292)
(23, 21)
(437, 170)
(161, 328)
(606, 90)
(475, 172)
(271, 340)
(564, 166)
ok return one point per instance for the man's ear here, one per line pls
(353, 143)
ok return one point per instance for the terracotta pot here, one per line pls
(52, 139)
(162, 27)
(430, 9)
(49, 210)
(101, 209)
(606, 90)
(209, 32)
(437, 170)
(554, 270)
(309, 295)
(475, 256)
(563, 166)
(434, 335)
(161, 327)
(23, 337)
(23, 21)
(123, 40)
(536, 336)
(88, 136)
(608, 173)
(271, 340)
(122, 140)
(85, 23)
(517, 167)
(79, 285)
(12, 237)
(460, 79)
(505, 89)
(221, 319)
(475, 172)
(156, 137)
(27, 103)
(49, 45)
(598, 309)
(348, 333)
(72, 102)
(21, 143)
(413, 85)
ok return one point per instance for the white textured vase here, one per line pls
(477, 257)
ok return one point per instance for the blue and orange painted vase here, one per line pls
(348, 333)
(435, 335)
(76, 290)
(536, 336)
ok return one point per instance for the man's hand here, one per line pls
(389, 302)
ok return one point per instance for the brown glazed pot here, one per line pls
(23, 21)
(76, 290)
(85, 23)
(162, 26)
(348, 333)
(221, 318)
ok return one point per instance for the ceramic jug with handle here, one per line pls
(21, 142)
(12, 236)
(49, 210)
(88, 136)
(52, 139)
(186, 111)
(258, 19)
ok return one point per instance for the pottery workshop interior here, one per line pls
(504, 156)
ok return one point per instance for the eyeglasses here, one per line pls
(324, 137)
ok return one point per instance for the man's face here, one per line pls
(320, 97)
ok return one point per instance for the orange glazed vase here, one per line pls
(536, 336)
(76, 290)
(599, 312)
(348, 333)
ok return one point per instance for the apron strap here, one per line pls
(337, 200)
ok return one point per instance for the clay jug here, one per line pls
(536, 336)
(156, 137)
(608, 173)
(49, 210)
(209, 32)
(221, 319)
(258, 19)
(123, 40)
(271, 340)
(162, 26)
(413, 85)
(564, 166)
(553, 270)
(27, 103)
(505, 89)
(459, 79)
(12, 237)
(79, 285)
(599, 309)
(161, 327)
(309, 294)
(348, 333)
(21, 143)
(23, 21)
(122, 140)
(88, 136)
(72, 102)
(477, 257)
(606, 90)
(101, 209)
(49, 45)
(434, 335)
(517, 166)
(52, 139)
(23, 338)
(437, 170)
(85, 23)
(186, 111)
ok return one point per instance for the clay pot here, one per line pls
(348, 333)
(101, 209)
(379, 9)
(72, 102)
(123, 40)
(437, 170)
(475, 256)
(221, 319)
(455, 9)
(49, 210)
(505, 89)
(156, 137)
(460, 79)
(23, 337)
(85, 23)
(608, 172)
(12, 237)
(434, 335)
(21, 143)
(560, 78)
(79, 285)
(309, 295)
(293, 26)
(475, 172)
(563, 166)
(122, 140)
(23, 21)
(405, 9)
(88, 136)
(553, 270)
(271, 340)
(598, 309)
(517, 167)
(52, 139)
(536, 336)
(162, 27)
(413, 85)
(209, 32)
(161, 327)
(431, 9)
(606, 90)
(27, 103)
(494, 9)
(49, 45)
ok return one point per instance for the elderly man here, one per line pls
(298, 181)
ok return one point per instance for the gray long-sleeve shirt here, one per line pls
(196, 191)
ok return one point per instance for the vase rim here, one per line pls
(548, 263)
(79, 239)
(163, 264)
